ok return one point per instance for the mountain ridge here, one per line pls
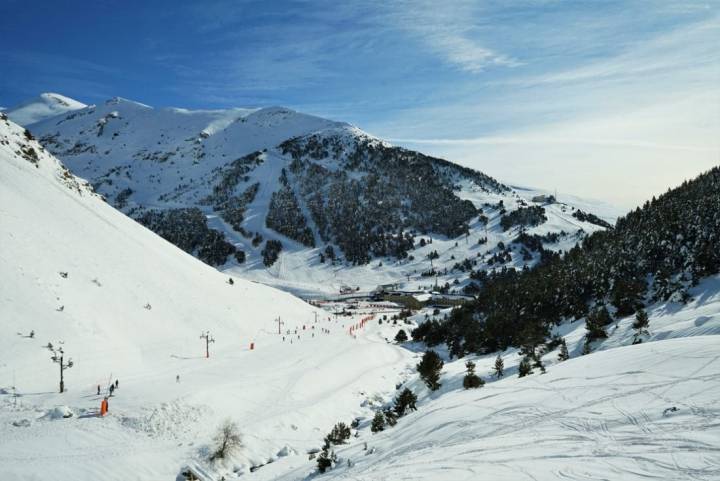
(44, 106)
(307, 184)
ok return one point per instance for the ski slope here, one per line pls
(602, 416)
(80, 275)
(125, 304)
(630, 412)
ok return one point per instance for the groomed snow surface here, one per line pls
(79, 274)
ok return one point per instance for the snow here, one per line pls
(125, 304)
(603, 416)
(646, 411)
(299, 271)
(170, 158)
(45, 106)
(58, 412)
(79, 274)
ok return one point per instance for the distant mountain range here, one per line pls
(303, 202)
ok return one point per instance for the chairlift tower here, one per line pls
(58, 357)
(208, 339)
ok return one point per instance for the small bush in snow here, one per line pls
(401, 336)
(471, 380)
(227, 440)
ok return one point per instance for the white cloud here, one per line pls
(625, 158)
(451, 32)
(622, 126)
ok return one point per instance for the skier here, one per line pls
(32, 334)
(177, 378)
(117, 384)
(98, 390)
(112, 389)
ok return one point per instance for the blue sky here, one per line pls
(554, 94)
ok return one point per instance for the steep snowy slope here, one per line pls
(271, 194)
(125, 304)
(45, 106)
(77, 267)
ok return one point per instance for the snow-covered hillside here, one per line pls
(630, 412)
(125, 304)
(68, 258)
(340, 206)
(44, 106)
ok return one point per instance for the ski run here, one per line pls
(285, 371)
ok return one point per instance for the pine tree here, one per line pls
(326, 458)
(406, 400)
(378, 422)
(429, 369)
(595, 324)
(537, 362)
(339, 434)
(390, 417)
(640, 325)
(524, 368)
(499, 367)
(471, 380)
(641, 321)
(564, 355)
(401, 336)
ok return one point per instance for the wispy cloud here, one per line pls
(535, 91)
(454, 34)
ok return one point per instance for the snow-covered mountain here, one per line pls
(58, 241)
(302, 202)
(42, 107)
(125, 304)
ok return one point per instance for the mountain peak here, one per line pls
(44, 106)
(124, 101)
